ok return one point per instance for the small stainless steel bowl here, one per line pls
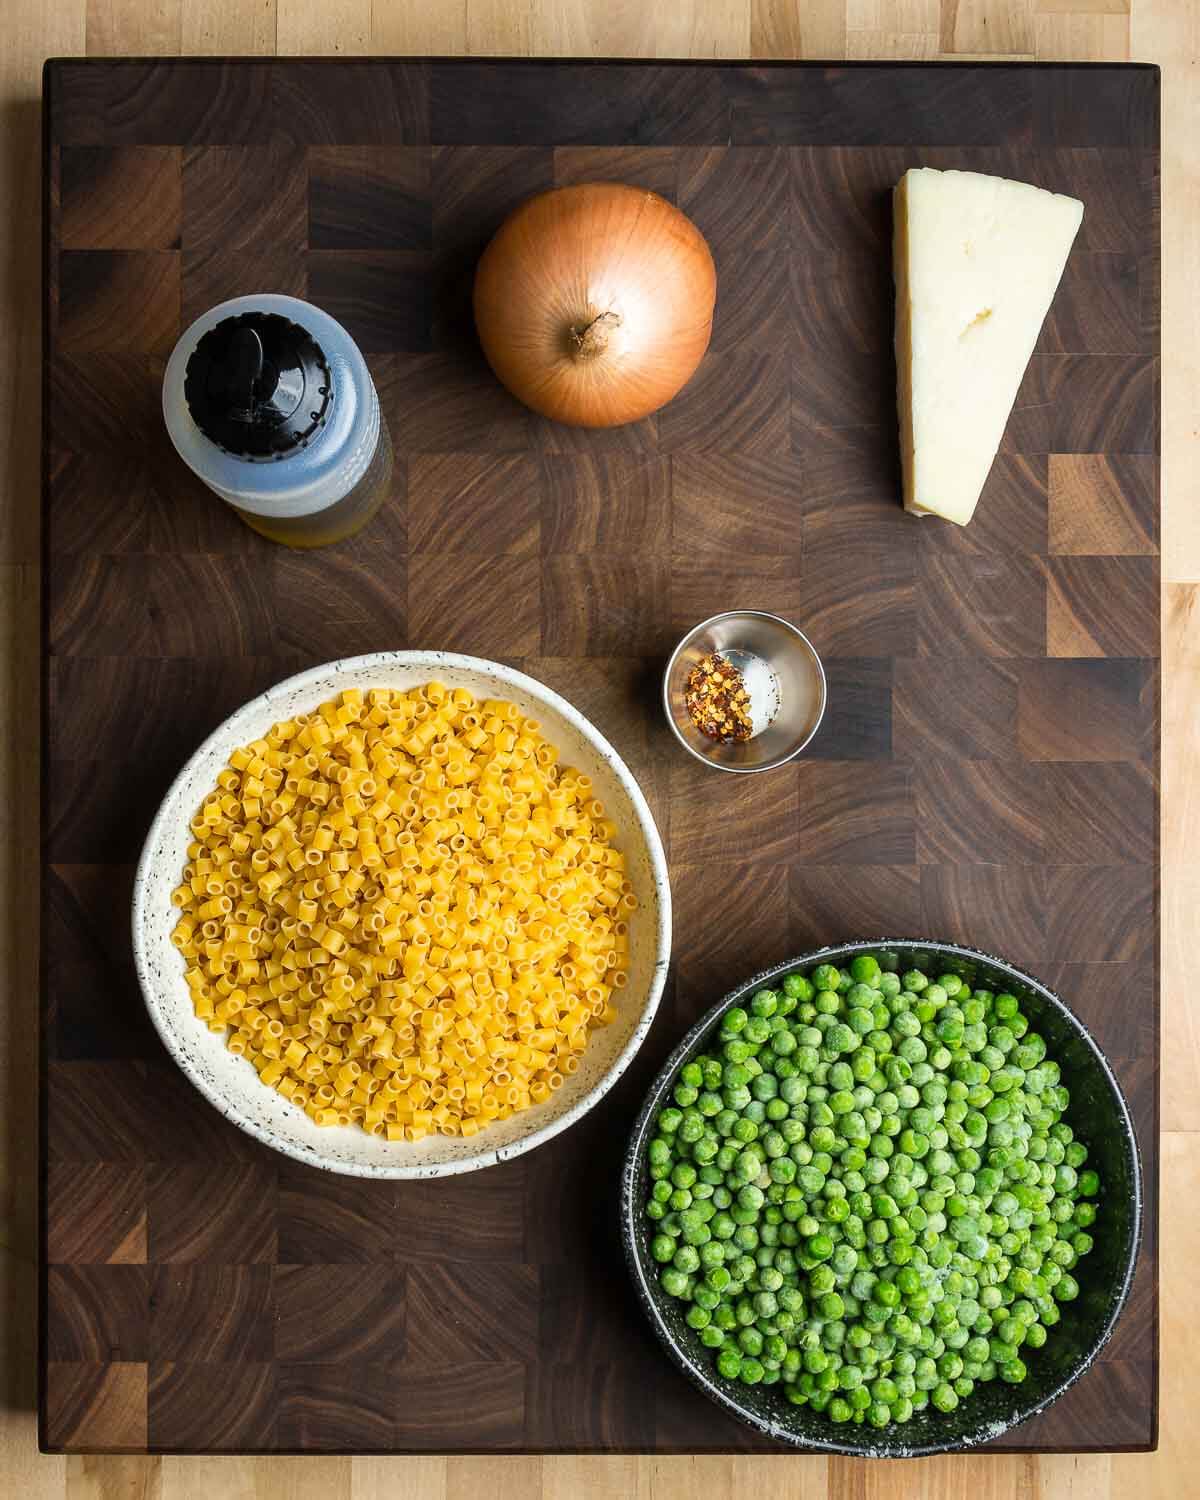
(782, 672)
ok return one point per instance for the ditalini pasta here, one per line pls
(404, 912)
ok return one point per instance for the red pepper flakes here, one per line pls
(717, 700)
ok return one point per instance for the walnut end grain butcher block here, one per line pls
(987, 771)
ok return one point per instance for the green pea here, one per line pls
(673, 1281)
(864, 969)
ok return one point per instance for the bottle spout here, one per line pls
(258, 385)
(245, 375)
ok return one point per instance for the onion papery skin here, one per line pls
(594, 303)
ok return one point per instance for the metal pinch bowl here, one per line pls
(782, 674)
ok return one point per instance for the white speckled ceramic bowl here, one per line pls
(231, 1084)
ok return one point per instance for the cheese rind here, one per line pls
(977, 260)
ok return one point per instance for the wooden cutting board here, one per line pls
(987, 770)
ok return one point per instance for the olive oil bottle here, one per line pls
(270, 402)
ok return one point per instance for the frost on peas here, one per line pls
(867, 1194)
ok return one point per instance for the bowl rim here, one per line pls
(780, 760)
(648, 1295)
(431, 661)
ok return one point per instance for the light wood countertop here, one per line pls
(1166, 32)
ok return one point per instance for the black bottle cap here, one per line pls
(258, 385)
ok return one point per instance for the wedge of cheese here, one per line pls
(977, 261)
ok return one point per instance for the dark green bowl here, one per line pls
(1100, 1118)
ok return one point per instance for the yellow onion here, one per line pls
(594, 303)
